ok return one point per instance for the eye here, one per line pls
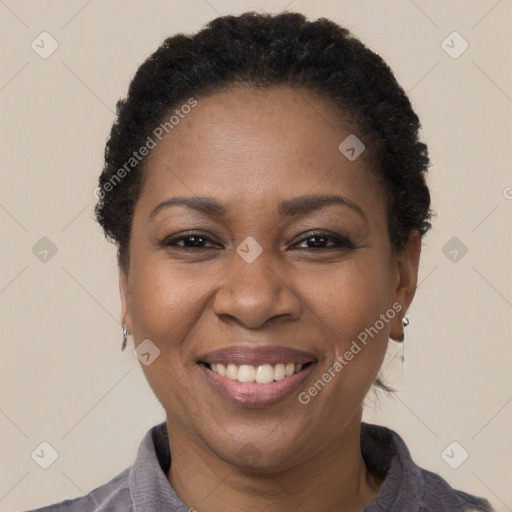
(320, 239)
(314, 240)
(189, 241)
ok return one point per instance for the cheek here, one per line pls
(165, 305)
(350, 298)
(352, 310)
(165, 302)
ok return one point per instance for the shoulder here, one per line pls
(406, 486)
(114, 496)
(144, 484)
(437, 491)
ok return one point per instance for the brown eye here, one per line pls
(320, 240)
(189, 241)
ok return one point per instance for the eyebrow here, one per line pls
(296, 206)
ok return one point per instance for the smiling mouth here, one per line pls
(243, 384)
(260, 374)
(256, 376)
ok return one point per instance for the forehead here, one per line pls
(246, 145)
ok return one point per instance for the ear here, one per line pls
(406, 265)
(123, 293)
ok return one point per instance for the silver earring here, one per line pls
(405, 323)
(126, 333)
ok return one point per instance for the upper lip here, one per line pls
(268, 354)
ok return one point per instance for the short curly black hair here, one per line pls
(265, 50)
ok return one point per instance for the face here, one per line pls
(255, 290)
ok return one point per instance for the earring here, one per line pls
(405, 323)
(126, 333)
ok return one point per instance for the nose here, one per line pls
(254, 293)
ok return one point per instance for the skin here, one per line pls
(251, 149)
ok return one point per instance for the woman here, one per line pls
(265, 186)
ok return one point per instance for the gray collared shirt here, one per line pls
(407, 488)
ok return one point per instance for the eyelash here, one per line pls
(340, 241)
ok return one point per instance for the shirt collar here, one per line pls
(150, 491)
(385, 452)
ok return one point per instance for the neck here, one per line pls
(334, 479)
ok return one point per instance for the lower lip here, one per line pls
(251, 394)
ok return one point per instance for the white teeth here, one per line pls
(246, 373)
(232, 372)
(279, 371)
(221, 369)
(263, 374)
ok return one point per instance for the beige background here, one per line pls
(63, 377)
